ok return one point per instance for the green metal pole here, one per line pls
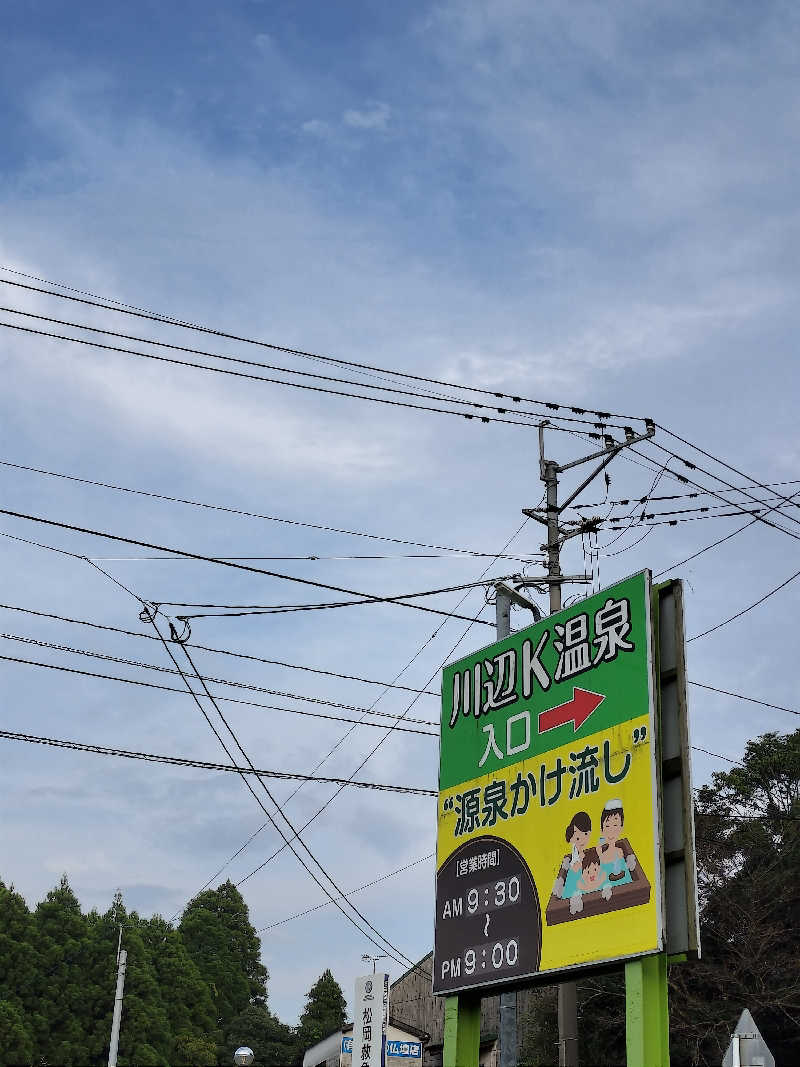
(462, 1031)
(647, 1012)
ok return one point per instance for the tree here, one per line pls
(219, 937)
(273, 1042)
(60, 935)
(186, 997)
(194, 1052)
(748, 844)
(16, 1041)
(325, 1010)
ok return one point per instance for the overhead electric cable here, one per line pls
(39, 643)
(235, 610)
(221, 651)
(220, 562)
(722, 463)
(360, 889)
(728, 487)
(228, 700)
(749, 607)
(396, 390)
(404, 714)
(627, 501)
(183, 761)
(395, 953)
(741, 696)
(130, 309)
(245, 375)
(244, 513)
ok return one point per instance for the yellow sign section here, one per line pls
(576, 886)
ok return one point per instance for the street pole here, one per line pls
(549, 471)
(509, 1040)
(567, 991)
(122, 960)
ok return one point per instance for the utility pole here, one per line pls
(509, 1040)
(122, 961)
(557, 535)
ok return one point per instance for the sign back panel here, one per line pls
(548, 852)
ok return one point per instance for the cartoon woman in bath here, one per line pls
(577, 835)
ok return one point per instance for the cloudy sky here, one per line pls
(591, 204)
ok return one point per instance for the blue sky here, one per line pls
(594, 203)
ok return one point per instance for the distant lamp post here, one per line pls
(243, 1056)
(374, 959)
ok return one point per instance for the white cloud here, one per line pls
(373, 117)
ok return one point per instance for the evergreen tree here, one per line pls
(273, 1042)
(16, 1041)
(60, 932)
(186, 997)
(19, 972)
(325, 1010)
(219, 937)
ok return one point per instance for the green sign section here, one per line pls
(577, 672)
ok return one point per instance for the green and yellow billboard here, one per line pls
(548, 850)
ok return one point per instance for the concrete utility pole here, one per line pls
(549, 471)
(509, 1041)
(122, 961)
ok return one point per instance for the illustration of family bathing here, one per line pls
(602, 868)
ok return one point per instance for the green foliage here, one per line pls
(183, 988)
(325, 1010)
(219, 937)
(748, 844)
(273, 1042)
(16, 1040)
(192, 1051)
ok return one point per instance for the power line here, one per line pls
(289, 841)
(236, 610)
(749, 607)
(245, 375)
(217, 681)
(401, 717)
(728, 487)
(721, 462)
(183, 761)
(396, 390)
(741, 696)
(221, 651)
(626, 501)
(219, 562)
(151, 617)
(244, 513)
(228, 700)
(129, 309)
(361, 888)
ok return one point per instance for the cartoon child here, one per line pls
(612, 819)
(577, 835)
(592, 874)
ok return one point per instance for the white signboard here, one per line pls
(370, 1015)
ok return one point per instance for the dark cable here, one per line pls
(181, 761)
(219, 562)
(244, 513)
(744, 611)
(270, 381)
(218, 681)
(130, 309)
(220, 651)
(287, 370)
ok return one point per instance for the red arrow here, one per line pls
(576, 711)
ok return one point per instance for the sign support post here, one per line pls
(462, 1031)
(646, 1012)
